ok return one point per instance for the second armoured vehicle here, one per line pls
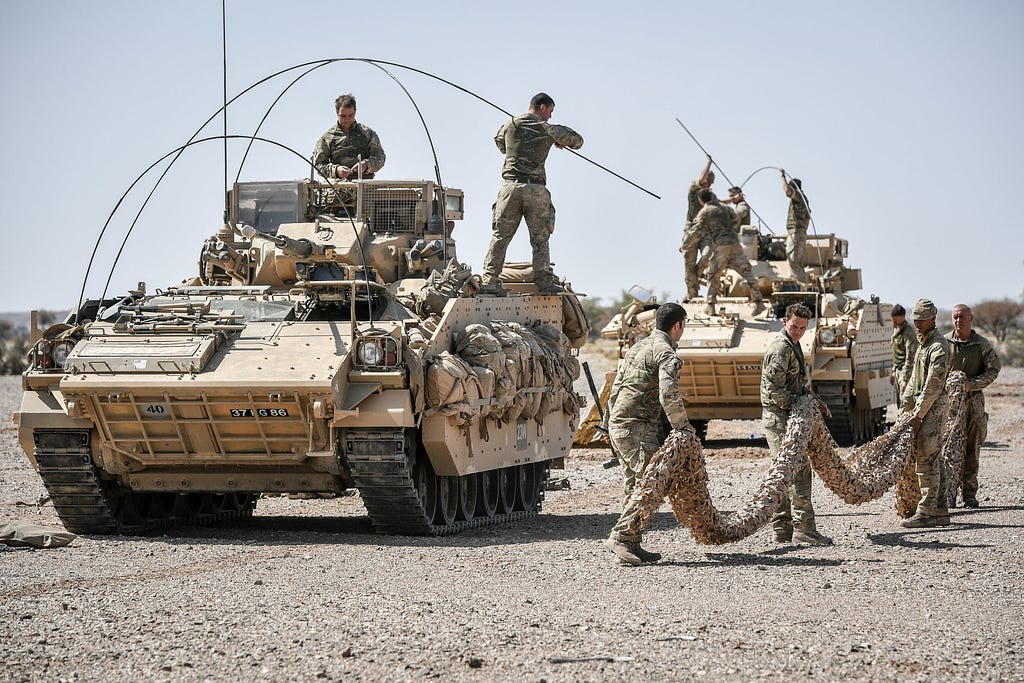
(330, 341)
(846, 345)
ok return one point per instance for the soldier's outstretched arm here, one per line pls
(785, 183)
(565, 136)
(704, 173)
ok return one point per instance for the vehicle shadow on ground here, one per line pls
(357, 530)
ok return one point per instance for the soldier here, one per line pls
(925, 398)
(647, 384)
(716, 222)
(692, 242)
(783, 381)
(740, 206)
(348, 147)
(974, 355)
(796, 225)
(525, 141)
(904, 346)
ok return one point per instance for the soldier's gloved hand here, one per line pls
(689, 428)
(824, 409)
(915, 424)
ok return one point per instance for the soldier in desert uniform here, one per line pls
(348, 147)
(525, 141)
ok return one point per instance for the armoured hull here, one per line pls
(307, 358)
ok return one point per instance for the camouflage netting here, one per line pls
(505, 371)
(677, 471)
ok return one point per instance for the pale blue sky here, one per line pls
(902, 118)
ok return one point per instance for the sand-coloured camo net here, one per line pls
(677, 471)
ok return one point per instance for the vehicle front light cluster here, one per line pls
(377, 352)
(831, 336)
(50, 354)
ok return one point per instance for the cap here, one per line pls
(924, 309)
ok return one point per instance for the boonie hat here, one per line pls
(924, 309)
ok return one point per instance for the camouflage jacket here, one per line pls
(338, 148)
(799, 212)
(718, 222)
(783, 374)
(976, 358)
(904, 346)
(647, 382)
(693, 203)
(525, 141)
(927, 386)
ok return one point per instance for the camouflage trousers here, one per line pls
(635, 444)
(795, 240)
(730, 256)
(974, 435)
(796, 509)
(693, 243)
(517, 201)
(931, 475)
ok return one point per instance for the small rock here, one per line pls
(347, 652)
(258, 582)
(475, 662)
(827, 585)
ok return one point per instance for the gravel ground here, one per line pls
(306, 591)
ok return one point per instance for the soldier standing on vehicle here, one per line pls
(740, 206)
(783, 380)
(647, 384)
(925, 398)
(525, 141)
(692, 242)
(348, 147)
(716, 222)
(974, 355)
(796, 225)
(904, 346)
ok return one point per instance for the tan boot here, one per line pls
(918, 521)
(624, 551)
(811, 537)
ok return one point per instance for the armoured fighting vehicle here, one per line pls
(331, 341)
(847, 345)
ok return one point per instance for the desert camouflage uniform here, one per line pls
(525, 141)
(796, 232)
(783, 381)
(646, 384)
(980, 364)
(904, 346)
(717, 222)
(925, 397)
(693, 242)
(338, 148)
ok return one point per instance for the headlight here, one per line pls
(827, 336)
(60, 353)
(370, 352)
(377, 352)
(44, 354)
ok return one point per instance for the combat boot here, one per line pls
(626, 552)
(552, 289)
(811, 537)
(646, 555)
(492, 289)
(758, 307)
(918, 521)
(971, 501)
(942, 518)
(784, 534)
(710, 308)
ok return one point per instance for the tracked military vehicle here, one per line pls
(330, 341)
(846, 346)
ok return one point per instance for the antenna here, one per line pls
(224, 49)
